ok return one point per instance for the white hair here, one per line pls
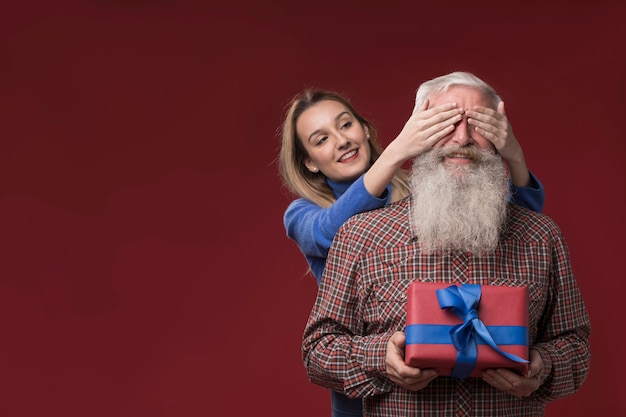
(443, 83)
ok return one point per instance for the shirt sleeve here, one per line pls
(313, 227)
(335, 351)
(563, 338)
(531, 197)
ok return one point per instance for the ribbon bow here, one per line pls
(464, 302)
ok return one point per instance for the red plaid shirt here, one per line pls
(362, 298)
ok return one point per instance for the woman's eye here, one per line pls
(321, 140)
(346, 125)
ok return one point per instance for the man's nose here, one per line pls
(462, 134)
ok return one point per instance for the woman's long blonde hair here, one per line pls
(313, 186)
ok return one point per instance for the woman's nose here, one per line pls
(342, 141)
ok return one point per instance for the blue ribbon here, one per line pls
(464, 302)
(439, 334)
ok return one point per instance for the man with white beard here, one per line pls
(456, 227)
(459, 206)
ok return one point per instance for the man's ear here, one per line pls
(311, 166)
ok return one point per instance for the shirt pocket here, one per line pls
(390, 306)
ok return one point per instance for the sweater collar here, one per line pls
(338, 187)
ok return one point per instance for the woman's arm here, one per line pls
(313, 227)
(532, 197)
(423, 129)
(526, 190)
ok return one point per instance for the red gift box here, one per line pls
(503, 311)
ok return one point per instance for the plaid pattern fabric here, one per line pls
(362, 299)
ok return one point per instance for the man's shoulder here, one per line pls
(394, 212)
(384, 222)
(530, 224)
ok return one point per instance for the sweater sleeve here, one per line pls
(531, 197)
(313, 227)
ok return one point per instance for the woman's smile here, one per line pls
(349, 156)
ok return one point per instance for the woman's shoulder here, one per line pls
(300, 205)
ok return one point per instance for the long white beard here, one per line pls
(459, 208)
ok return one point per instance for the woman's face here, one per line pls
(336, 143)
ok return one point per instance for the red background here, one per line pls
(144, 269)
